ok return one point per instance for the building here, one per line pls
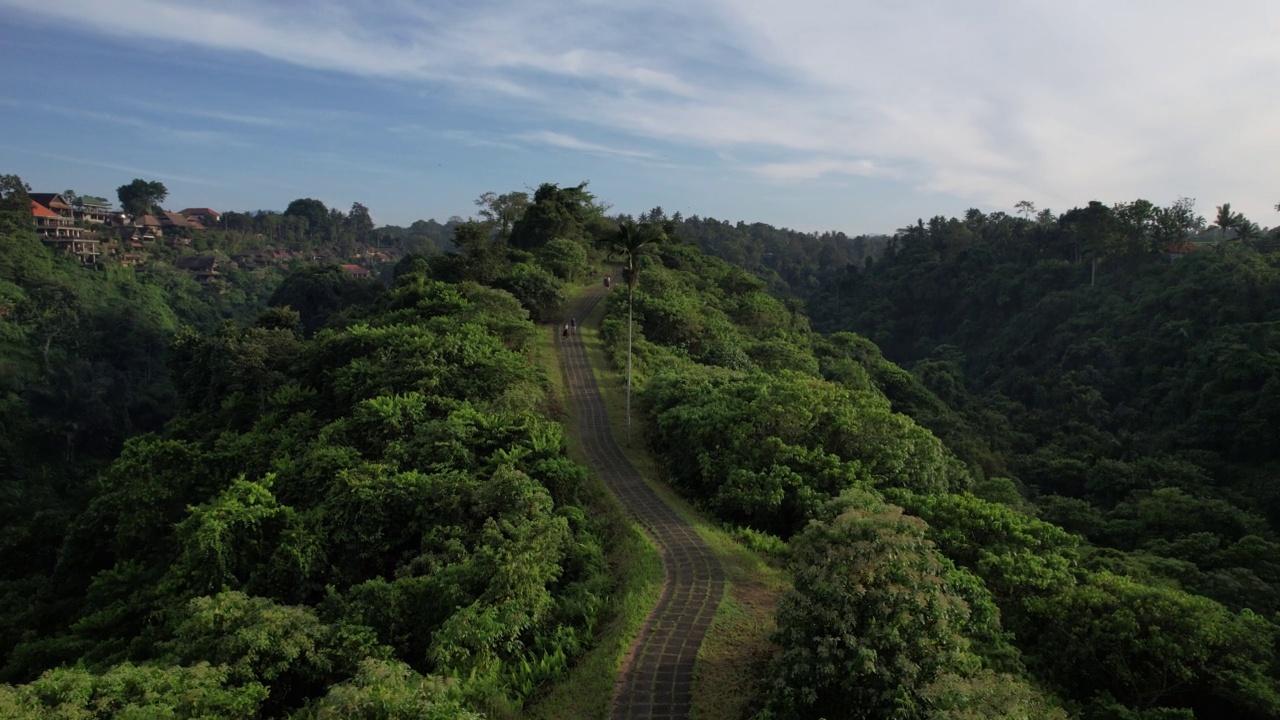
(56, 203)
(204, 267)
(1178, 250)
(93, 210)
(62, 233)
(207, 217)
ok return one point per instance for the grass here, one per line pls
(728, 677)
(586, 690)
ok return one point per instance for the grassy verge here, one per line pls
(587, 689)
(728, 677)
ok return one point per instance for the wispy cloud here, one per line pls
(183, 108)
(569, 142)
(987, 101)
(155, 131)
(136, 171)
(814, 168)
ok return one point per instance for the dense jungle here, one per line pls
(1000, 465)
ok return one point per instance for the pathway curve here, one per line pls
(657, 679)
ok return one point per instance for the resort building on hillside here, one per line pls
(94, 210)
(203, 267)
(62, 233)
(56, 203)
(1176, 251)
(206, 216)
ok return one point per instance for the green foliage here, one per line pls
(286, 648)
(386, 489)
(1086, 378)
(15, 199)
(320, 293)
(768, 450)
(538, 290)
(565, 259)
(873, 628)
(311, 210)
(133, 691)
(1017, 556)
(557, 213)
(142, 197)
(389, 690)
(1145, 646)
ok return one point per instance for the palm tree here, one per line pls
(631, 241)
(1247, 231)
(1225, 221)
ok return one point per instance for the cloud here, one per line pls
(136, 171)
(177, 135)
(814, 168)
(990, 101)
(185, 109)
(568, 142)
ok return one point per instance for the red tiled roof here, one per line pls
(355, 270)
(1181, 248)
(39, 210)
(198, 211)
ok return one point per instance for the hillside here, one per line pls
(351, 494)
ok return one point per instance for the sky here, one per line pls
(816, 115)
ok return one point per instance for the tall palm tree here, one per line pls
(1225, 221)
(630, 242)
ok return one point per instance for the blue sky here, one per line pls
(812, 114)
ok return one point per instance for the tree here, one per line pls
(565, 258)
(630, 241)
(503, 210)
(1247, 230)
(391, 690)
(1025, 208)
(556, 212)
(1135, 223)
(141, 197)
(134, 691)
(1226, 220)
(319, 292)
(1090, 229)
(358, 221)
(1172, 224)
(872, 622)
(15, 200)
(311, 210)
(1115, 639)
(536, 288)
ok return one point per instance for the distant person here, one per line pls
(566, 331)
(573, 323)
(607, 280)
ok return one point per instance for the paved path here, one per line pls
(657, 678)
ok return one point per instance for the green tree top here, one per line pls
(142, 197)
(313, 211)
(556, 212)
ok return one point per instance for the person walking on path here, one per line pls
(573, 324)
(566, 331)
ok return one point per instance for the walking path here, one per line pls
(656, 680)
